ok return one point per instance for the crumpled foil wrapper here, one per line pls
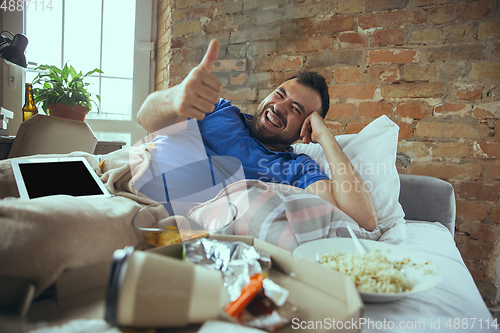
(237, 261)
(269, 310)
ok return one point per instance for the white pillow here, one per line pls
(372, 152)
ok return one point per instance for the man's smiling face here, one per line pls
(280, 116)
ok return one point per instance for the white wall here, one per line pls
(12, 92)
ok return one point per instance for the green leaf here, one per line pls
(64, 86)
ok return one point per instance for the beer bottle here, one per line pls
(29, 108)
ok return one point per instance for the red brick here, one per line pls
(479, 113)
(477, 270)
(275, 63)
(385, 5)
(306, 44)
(340, 110)
(384, 74)
(246, 94)
(374, 109)
(418, 16)
(336, 24)
(352, 39)
(440, 14)
(335, 128)
(485, 70)
(188, 55)
(496, 49)
(494, 171)
(355, 127)
(494, 214)
(419, 73)
(382, 20)
(460, 53)
(333, 25)
(450, 107)
(347, 75)
(450, 149)
(444, 170)
(422, 3)
(447, 130)
(469, 211)
(350, 6)
(469, 91)
(413, 110)
(486, 110)
(478, 191)
(480, 231)
(491, 149)
(414, 149)
(424, 36)
(181, 70)
(387, 37)
(209, 1)
(356, 92)
(474, 249)
(405, 130)
(351, 57)
(391, 56)
(476, 10)
(226, 65)
(239, 79)
(425, 90)
(177, 43)
(195, 13)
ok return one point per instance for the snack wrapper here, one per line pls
(255, 300)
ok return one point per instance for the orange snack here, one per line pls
(248, 293)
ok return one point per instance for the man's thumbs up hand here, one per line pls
(199, 91)
(192, 98)
(210, 56)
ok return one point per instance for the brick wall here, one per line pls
(432, 66)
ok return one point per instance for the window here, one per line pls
(97, 34)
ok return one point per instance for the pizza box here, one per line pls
(327, 301)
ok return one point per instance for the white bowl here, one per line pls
(418, 274)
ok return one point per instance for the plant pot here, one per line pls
(63, 111)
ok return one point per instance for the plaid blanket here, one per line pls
(282, 215)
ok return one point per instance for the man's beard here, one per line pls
(264, 136)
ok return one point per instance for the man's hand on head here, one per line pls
(200, 90)
(314, 129)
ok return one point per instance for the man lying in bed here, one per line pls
(262, 143)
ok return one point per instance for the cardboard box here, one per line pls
(327, 300)
(52, 135)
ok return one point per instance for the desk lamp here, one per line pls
(13, 52)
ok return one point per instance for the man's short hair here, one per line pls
(316, 82)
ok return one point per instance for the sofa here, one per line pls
(49, 236)
(453, 305)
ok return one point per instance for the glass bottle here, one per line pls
(29, 108)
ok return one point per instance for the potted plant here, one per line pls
(64, 92)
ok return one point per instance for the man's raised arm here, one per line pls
(192, 98)
(356, 201)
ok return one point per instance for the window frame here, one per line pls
(143, 74)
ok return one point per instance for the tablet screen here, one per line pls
(62, 177)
